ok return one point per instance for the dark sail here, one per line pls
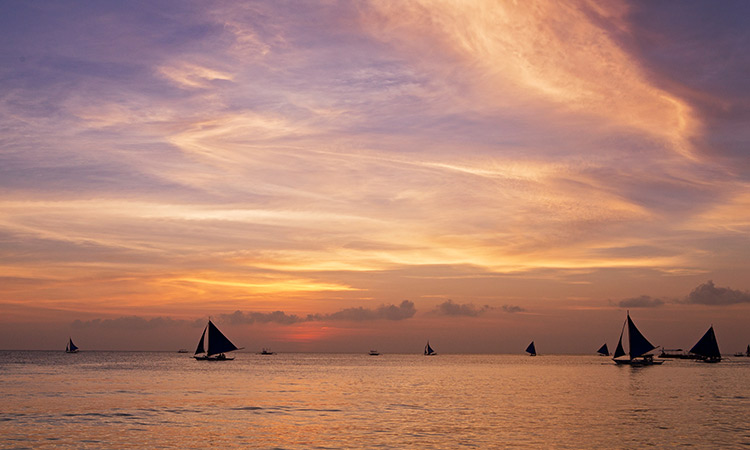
(619, 351)
(707, 346)
(217, 342)
(747, 353)
(428, 350)
(639, 345)
(603, 350)
(531, 349)
(71, 347)
(201, 348)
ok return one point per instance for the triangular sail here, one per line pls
(603, 350)
(428, 350)
(707, 345)
(531, 349)
(619, 351)
(217, 342)
(201, 348)
(639, 345)
(71, 347)
(747, 352)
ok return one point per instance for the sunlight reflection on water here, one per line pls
(137, 400)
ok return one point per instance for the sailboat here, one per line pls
(638, 347)
(428, 351)
(531, 349)
(707, 348)
(747, 352)
(216, 347)
(71, 347)
(603, 350)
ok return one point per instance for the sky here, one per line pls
(351, 175)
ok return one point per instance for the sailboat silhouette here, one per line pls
(707, 348)
(213, 345)
(71, 347)
(638, 347)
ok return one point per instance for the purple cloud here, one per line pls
(708, 294)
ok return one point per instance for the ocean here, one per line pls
(149, 400)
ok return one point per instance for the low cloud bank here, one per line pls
(403, 311)
(448, 308)
(386, 312)
(705, 294)
(644, 301)
(133, 323)
(708, 294)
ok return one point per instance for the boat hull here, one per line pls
(213, 358)
(638, 362)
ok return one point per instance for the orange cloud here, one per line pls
(555, 56)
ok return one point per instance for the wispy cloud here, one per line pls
(516, 49)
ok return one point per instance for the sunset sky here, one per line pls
(340, 176)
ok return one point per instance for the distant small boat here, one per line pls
(71, 347)
(374, 353)
(603, 350)
(676, 353)
(707, 348)
(428, 351)
(638, 347)
(747, 352)
(267, 351)
(182, 350)
(217, 346)
(531, 349)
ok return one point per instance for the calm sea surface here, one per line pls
(332, 401)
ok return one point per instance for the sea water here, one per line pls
(108, 400)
